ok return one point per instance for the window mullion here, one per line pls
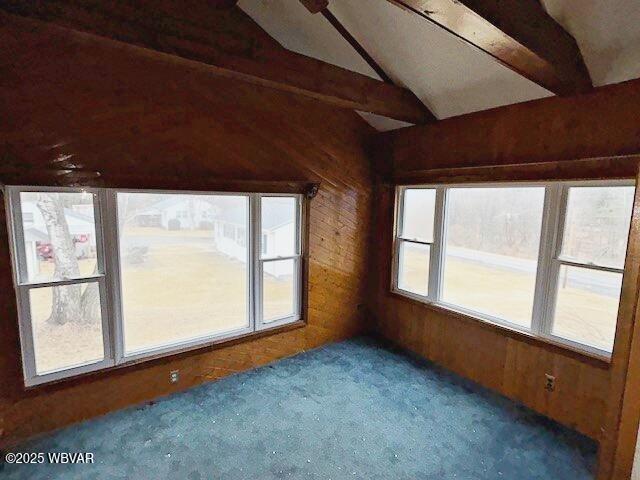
(435, 268)
(273, 259)
(414, 240)
(395, 264)
(111, 238)
(255, 292)
(547, 272)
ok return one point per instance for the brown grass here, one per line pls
(581, 315)
(177, 294)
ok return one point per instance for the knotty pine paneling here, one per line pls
(117, 116)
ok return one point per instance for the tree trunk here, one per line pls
(90, 302)
(66, 299)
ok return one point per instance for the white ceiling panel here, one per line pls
(607, 32)
(447, 74)
(291, 24)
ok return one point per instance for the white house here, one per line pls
(277, 239)
(227, 218)
(177, 213)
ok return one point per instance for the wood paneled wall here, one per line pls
(598, 125)
(488, 355)
(80, 109)
(589, 136)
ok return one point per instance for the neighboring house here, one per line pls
(176, 213)
(230, 231)
(228, 221)
(81, 227)
(277, 239)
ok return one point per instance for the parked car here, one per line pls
(80, 242)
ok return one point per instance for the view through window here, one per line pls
(177, 263)
(490, 256)
(60, 255)
(591, 262)
(184, 268)
(491, 250)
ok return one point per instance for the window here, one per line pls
(241, 236)
(546, 259)
(415, 240)
(60, 280)
(280, 295)
(587, 271)
(149, 287)
(491, 248)
(166, 275)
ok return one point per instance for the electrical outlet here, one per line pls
(550, 384)
(174, 376)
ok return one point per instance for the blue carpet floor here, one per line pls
(351, 410)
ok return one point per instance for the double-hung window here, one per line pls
(60, 282)
(546, 258)
(105, 277)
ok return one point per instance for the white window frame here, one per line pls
(261, 324)
(435, 245)
(109, 280)
(23, 286)
(549, 256)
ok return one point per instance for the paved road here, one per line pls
(598, 282)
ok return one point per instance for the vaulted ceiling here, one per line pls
(434, 60)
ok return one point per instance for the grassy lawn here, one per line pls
(183, 291)
(581, 314)
(179, 292)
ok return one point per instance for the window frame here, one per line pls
(554, 262)
(24, 286)
(548, 265)
(435, 246)
(262, 259)
(110, 284)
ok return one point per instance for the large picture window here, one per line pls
(546, 259)
(105, 276)
(491, 250)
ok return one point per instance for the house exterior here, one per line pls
(228, 222)
(176, 213)
(277, 239)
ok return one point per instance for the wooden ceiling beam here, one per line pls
(231, 45)
(315, 6)
(520, 34)
(331, 18)
(322, 7)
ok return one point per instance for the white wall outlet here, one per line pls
(174, 376)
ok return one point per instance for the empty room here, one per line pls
(319, 239)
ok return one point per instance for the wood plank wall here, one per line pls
(598, 125)
(489, 356)
(80, 109)
(590, 136)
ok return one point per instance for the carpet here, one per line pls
(349, 410)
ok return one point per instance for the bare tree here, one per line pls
(69, 303)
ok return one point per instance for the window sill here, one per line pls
(548, 344)
(139, 363)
